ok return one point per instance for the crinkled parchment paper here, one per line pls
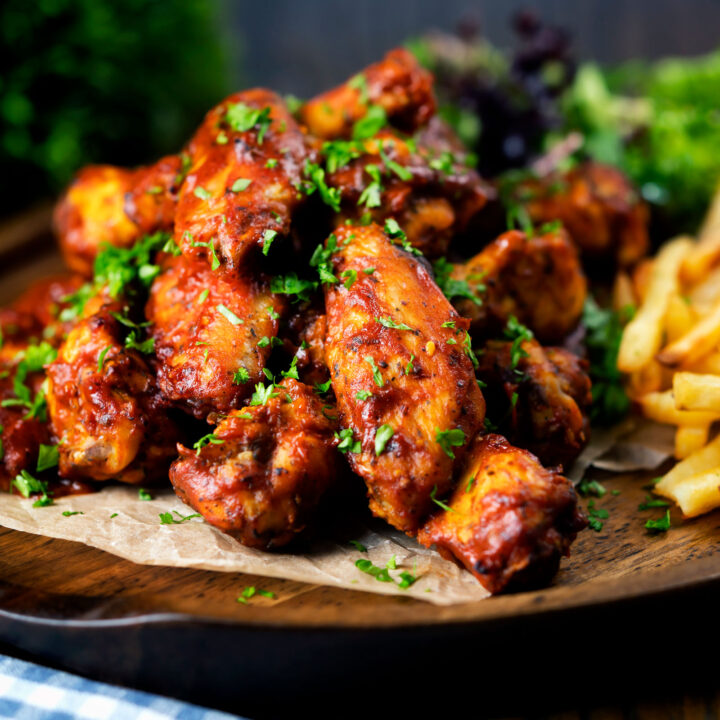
(135, 533)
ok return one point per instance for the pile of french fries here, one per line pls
(670, 351)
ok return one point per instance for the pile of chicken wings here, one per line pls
(305, 294)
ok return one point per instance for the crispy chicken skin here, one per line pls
(112, 205)
(511, 519)
(432, 197)
(306, 330)
(599, 208)
(539, 280)
(207, 326)
(421, 380)
(550, 414)
(265, 473)
(104, 407)
(211, 215)
(397, 84)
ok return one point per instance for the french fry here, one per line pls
(641, 279)
(706, 253)
(689, 439)
(704, 295)
(710, 364)
(702, 339)
(703, 461)
(679, 318)
(643, 334)
(693, 391)
(660, 406)
(647, 379)
(697, 494)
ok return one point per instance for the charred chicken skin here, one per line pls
(538, 279)
(397, 84)
(510, 519)
(540, 398)
(104, 407)
(213, 334)
(114, 206)
(403, 381)
(265, 469)
(246, 162)
(598, 207)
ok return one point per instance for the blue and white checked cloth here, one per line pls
(32, 692)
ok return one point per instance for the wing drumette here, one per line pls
(265, 468)
(397, 84)
(242, 186)
(396, 350)
(537, 279)
(510, 519)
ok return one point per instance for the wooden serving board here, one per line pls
(64, 602)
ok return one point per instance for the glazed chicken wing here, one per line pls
(213, 334)
(104, 407)
(430, 194)
(539, 398)
(114, 206)
(266, 468)
(599, 208)
(242, 186)
(538, 279)
(397, 84)
(510, 519)
(404, 384)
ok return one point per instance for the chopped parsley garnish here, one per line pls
(591, 487)
(369, 271)
(370, 196)
(378, 573)
(358, 546)
(271, 163)
(449, 324)
(382, 436)
(374, 120)
(451, 287)
(402, 172)
(660, 525)
(208, 439)
(70, 513)
(377, 377)
(268, 237)
(291, 284)
(339, 153)
(596, 516)
(350, 277)
(241, 376)
(263, 395)
(388, 322)
(146, 346)
(241, 118)
(251, 591)
(363, 395)
(359, 82)
(440, 503)
(448, 439)
(101, 357)
(604, 329)
(292, 371)
(322, 388)
(651, 502)
(467, 347)
(32, 360)
(203, 296)
(201, 193)
(229, 315)
(315, 180)
(265, 341)
(28, 485)
(518, 333)
(167, 518)
(214, 260)
(322, 260)
(348, 443)
(469, 485)
(47, 457)
(240, 184)
(144, 494)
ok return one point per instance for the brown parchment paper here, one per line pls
(136, 533)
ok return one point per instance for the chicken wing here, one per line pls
(213, 334)
(510, 519)
(599, 208)
(115, 206)
(431, 195)
(242, 186)
(538, 279)
(404, 384)
(397, 84)
(104, 407)
(539, 398)
(265, 469)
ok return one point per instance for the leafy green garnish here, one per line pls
(291, 284)
(28, 485)
(348, 443)
(440, 503)
(48, 457)
(448, 439)
(241, 118)
(382, 436)
(451, 287)
(377, 377)
(167, 518)
(209, 439)
(229, 315)
(660, 525)
(388, 322)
